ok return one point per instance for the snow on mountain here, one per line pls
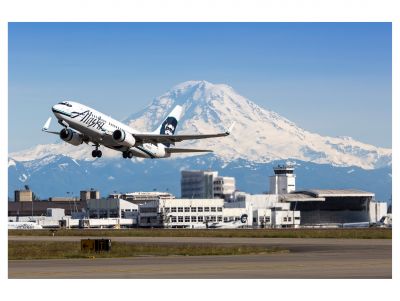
(81, 152)
(11, 163)
(259, 135)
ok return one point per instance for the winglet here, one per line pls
(230, 128)
(46, 125)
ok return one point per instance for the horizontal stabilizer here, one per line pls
(173, 150)
(46, 126)
(231, 127)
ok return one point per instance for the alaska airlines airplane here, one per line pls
(84, 124)
(24, 225)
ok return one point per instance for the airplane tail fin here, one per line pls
(168, 126)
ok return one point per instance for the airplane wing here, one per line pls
(173, 150)
(171, 139)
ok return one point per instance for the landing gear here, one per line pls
(97, 153)
(127, 154)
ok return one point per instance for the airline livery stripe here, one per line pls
(146, 152)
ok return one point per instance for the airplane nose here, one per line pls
(55, 108)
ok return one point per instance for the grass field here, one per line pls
(367, 233)
(18, 250)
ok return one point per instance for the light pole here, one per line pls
(69, 203)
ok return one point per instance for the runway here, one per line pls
(308, 258)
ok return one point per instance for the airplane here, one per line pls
(23, 225)
(84, 124)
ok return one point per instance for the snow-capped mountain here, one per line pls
(259, 135)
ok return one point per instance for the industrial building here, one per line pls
(97, 213)
(89, 194)
(39, 208)
(24, 205)
(23, 195)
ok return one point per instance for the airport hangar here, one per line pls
(335, 206)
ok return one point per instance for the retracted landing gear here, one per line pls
(97, 153)
(127, 154)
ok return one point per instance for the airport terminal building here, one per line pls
(215, 204)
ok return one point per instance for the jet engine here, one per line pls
(71, 137)
(120, 137)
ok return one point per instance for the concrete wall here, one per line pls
(377, 211)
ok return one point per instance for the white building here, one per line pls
(223, 186)
(266, 210)
(236, 215)
(181, 213)
(54, 218)
(377, 210)
(142, 197)
(283, 180)
(108, 208)
(199, 184)
(215, 213)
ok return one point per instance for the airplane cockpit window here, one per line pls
(65, 103)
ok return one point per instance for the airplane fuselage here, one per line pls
(99, 128)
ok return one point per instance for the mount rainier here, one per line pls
(260, 138)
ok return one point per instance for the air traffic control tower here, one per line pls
(283, 181)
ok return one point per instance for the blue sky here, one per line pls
(330, 78)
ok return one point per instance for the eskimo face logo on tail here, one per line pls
(168, 127)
